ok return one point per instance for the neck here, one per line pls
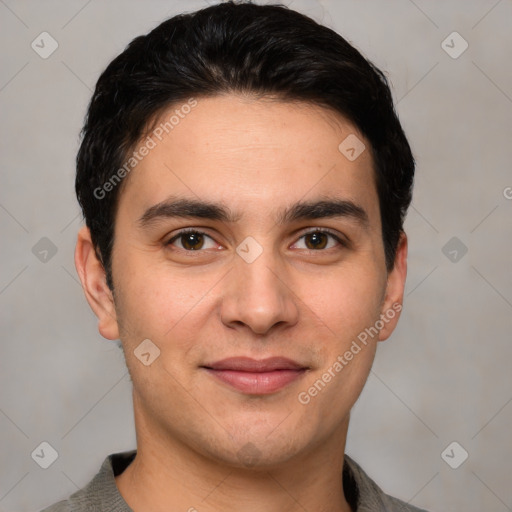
(167, 472)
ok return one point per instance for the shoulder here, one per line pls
(370, 495)
(101, 492)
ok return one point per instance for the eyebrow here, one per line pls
(174, 207)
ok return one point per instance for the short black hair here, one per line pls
(237, 47)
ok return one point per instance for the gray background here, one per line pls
(445, 374)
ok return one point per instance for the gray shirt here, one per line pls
(101, 493)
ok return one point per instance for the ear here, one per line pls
(94, 283)
(392, 305)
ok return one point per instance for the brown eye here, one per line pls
(316, 240)
(191, 241)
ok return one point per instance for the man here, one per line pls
(244, 180)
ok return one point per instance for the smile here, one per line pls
(255, 377)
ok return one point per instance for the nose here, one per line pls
(257, 296)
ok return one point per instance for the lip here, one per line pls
(256, 377)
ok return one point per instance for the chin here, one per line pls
(255, 451)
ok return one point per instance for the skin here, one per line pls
(257, 157)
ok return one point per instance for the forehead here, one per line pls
(253, 154)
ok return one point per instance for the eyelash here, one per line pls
(317, 230)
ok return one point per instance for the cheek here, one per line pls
(345, 351)
(158, 303)
(348, 301)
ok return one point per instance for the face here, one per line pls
(246, 233)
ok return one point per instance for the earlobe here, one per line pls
(392, 305)
(92, 276)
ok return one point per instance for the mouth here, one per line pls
(256, 377)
